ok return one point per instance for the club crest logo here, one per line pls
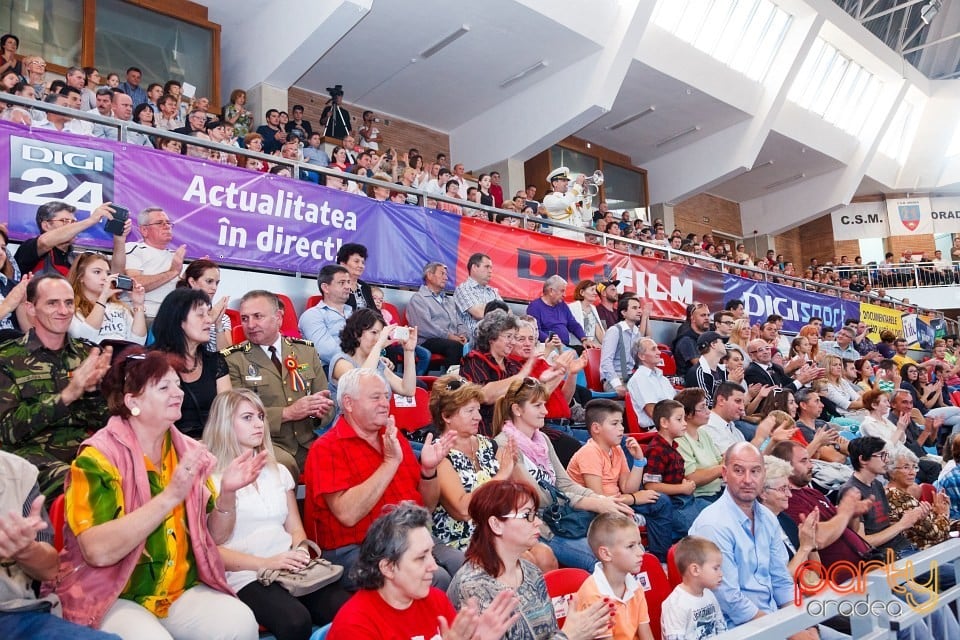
(909, 215)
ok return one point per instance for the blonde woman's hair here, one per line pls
(738, 326)
(218, 434)
(826, 360)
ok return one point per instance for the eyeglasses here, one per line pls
(883, 455)
(62, 220)
(164, 224)
(909, 467)
(533, 383)
(529, 516)
(784, 489)
(456, 383)
(729, 323)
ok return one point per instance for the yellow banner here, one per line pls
(879, 318)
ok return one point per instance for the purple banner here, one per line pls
(797, 306)
(235, 216)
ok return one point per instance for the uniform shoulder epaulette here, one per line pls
(303, 341)
(243, 347)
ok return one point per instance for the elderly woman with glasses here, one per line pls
(489, 363)
(506, 519)
(903, 494)
(800, 540)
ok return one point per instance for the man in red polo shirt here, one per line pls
(361, 465)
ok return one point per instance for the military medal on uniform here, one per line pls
(253, 374)
(297, 383)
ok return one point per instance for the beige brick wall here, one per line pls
(399, 134)
(705, 213)
(788, 243)
(917, 244)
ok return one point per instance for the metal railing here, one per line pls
(635, 247)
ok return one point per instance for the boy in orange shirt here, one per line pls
(601, 466)
(615, 540)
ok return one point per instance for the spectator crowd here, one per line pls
(174, 441)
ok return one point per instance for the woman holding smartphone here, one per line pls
(99, 313)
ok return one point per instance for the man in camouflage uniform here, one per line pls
(49, 398)
(287, 375)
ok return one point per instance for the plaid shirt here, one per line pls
(950, 483)
(340, 460)
(664, 462)
(469, 294)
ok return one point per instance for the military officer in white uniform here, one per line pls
(565, 203)
(287, 375)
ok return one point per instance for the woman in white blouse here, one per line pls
(584, 309)
(99, 313)
(268, 532)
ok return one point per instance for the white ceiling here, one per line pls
(677, 107)
(790, 159)
(378, 60)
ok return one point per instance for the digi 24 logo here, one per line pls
(42, 171)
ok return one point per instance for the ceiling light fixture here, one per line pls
(456, 35)
(678, 135)
(540, 64)
(786, 181)
(930, 10)
(630, 119)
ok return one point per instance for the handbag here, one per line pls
(561, 516)
(317, 574)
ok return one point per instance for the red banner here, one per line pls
(522, 260)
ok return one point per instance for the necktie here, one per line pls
(275, 360)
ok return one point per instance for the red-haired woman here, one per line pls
(505, 513)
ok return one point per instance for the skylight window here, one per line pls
(899, 136)
(835, 88)
(742, 34)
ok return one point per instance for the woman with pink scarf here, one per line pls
(519, 416)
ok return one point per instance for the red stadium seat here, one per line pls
(394, 313)
(927, 492)
(656, 587)
(592, 375)
(236, 327)
(289, 326)
(633, 421)
(57, 521)
(562, 585)
(313, 301)
(411, 417)
(673, 573)
(955, 398)
(669, 364)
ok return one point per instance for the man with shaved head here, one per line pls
(756, 581)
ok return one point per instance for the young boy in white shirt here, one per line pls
(692, 611)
